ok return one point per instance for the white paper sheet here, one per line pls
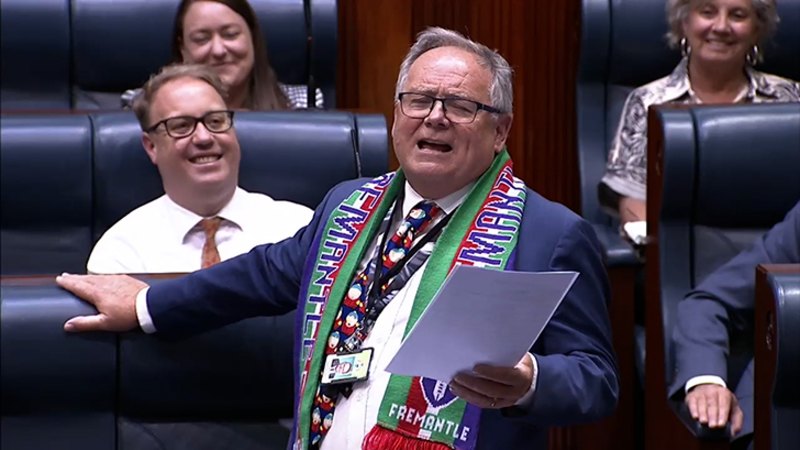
(480, 316)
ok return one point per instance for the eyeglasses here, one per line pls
(456, 109)
(182, 126)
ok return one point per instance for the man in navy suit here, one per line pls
(721, 306)
(360, 274)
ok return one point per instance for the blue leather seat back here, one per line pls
(221, 389)
(730, 174)
(765, 139)
(785, 396)
(125, 178)
(225, 388)
(46, 194)
(780, 53)
(281, 152)
(34, 54)
(116, 46)
(103, 67)
(324, 50)
(58, 389)
(283, 23)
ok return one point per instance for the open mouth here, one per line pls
(435, 146)
(205, 159)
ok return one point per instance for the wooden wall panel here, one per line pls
(539, 39)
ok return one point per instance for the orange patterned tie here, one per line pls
(210, 252)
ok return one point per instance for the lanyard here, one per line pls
(377, 280)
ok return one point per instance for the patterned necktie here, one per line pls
(210, 253)
(351, 327)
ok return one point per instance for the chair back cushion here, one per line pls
(58, 389)
(46, 194)
(34, 54)
(729, 174)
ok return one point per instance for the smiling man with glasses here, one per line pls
(204, 217)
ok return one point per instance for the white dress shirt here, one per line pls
(163, 237)
(704, 379)
(356, 415)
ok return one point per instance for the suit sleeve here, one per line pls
(577, 379)
(266, 281)
(725, 301)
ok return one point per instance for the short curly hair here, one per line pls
(678, 11)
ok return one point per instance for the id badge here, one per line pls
(347, 367)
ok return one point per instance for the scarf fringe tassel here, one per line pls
(380, 438)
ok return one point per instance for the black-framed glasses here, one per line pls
(181, 126)
(456, 109)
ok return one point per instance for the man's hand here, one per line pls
(114, 296)
(494, 387)
(713, 405)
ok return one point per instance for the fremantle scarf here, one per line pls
(415, 413)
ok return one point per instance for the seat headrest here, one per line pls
(748, 159)
(34, 49)
(780, 52)
(730, 166)
(46, 193)
(638, 52)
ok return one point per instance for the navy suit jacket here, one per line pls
(723, 304)
(577, 379)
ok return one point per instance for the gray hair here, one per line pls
(143, 102)
(678, 11)
(501, 91)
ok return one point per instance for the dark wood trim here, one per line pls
(766, 351)
(766, 357)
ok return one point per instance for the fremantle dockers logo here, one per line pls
(436, 393)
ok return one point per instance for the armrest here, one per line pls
(58, 389)
(618, 251)
(45, 368)
(697, 429)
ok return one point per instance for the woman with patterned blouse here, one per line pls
(225, 35)
(719, 42)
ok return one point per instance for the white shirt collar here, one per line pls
(447, 203)
(184, 221)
